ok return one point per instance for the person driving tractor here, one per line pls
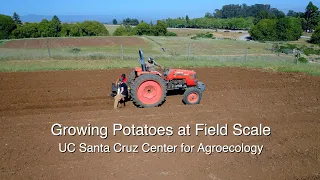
(123, 76)
(151, 63)
(122, 94)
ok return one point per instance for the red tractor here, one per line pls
(150, 88)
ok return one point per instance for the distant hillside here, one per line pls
(69, 18)
(80, 18)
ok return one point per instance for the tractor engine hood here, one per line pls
(182, 72)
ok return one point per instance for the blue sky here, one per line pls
(131, 8)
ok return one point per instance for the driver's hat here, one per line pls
(150, 59)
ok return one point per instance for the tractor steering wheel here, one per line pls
(166, 70)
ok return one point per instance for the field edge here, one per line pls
(63, 65)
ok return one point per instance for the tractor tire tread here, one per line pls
(188, 91)
(138, 81)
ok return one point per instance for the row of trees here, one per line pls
(283, 29)
(244, 17)
(264, 22)
(12, 27)
(127, 21)
(237, 11)
(159, 29)
(289, 28)
(310, 18)
(212, 23)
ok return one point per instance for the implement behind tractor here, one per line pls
(150, 88)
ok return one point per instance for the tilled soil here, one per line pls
(31, 102)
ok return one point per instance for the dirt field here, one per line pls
(220, 33)
(288, 103)
(75, 42)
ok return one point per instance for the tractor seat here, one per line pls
(143, 67)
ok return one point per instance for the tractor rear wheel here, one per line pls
(192, 95)
(131, 78)
(132, 75)
(148, 90)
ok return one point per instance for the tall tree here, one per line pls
(243, 10)
(187, 19)
(142, 29)
(315, 38)
(292, 13)
(160, 29)
(93, 28)
(217, 13)
(46, 29)
(132, 22)
(263, 15)
(114, 21)
(277, 13)
(311, 16)
(208, 15)
(7, 25)
(56, 24)
(16, 19)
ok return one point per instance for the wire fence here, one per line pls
(126, 48)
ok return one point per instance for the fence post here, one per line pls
(47, 45)
(246, 54)
(188, 51)
(297, 55)
(121, 53)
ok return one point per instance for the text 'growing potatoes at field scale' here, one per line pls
(146, 130)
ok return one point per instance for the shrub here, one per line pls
(75, 50)
(126, 30)
(315, 38)
(308, 51)
(171, 34)
(303, 60)
(264, 30)
(206, 35)
(284, 29)
(94, 28)
(96, 56)
(160, 29)
(194, 37)
(142, 29)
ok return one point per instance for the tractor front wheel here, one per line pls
(192, 95)
(148, 90)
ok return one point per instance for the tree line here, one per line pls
(244, 11)
(289, 28)
(211, 23)
(263, 22)
(143, 28)
(13, 28)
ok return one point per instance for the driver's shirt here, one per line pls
(124, 80)
(150, 66)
